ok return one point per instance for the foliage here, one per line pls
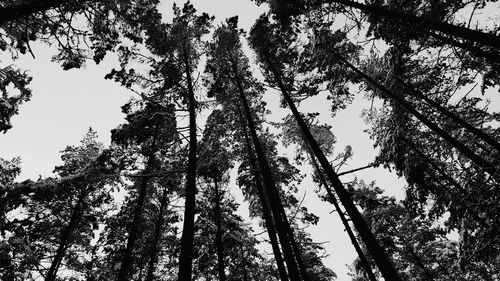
(115, 212)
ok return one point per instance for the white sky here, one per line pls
(66, 103)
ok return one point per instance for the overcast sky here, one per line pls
(66, 103)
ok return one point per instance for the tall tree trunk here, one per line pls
(270, 185)
(186, 254)
(218, 234)
(76, 215)
(26, 8)
(153, 253)
(425, 23)
(345, 222)
(485, 165)
(133, 235)
(268, 218)
(473, 50)
(296, 251)
(364, 231)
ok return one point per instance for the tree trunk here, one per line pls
(271, 230)
(364, 231)
(479, 161)
(26, 8)
(127, 260)
(157, 234)
(274, 200)
(218, 234)
(186, 254)
(473, 50)
(297, 252)
(345, 222)
(76, 215)
(426, 24)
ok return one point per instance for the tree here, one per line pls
(227, 58)
(80, 29)
(55, 228)
(261, 43)
(326, 140)
(150, 128)
(115, 213)
(186, 32)
(175, 50)
(422, 251)
(425, 23)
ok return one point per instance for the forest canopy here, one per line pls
(200, 181)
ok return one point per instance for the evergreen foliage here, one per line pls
(162, 201)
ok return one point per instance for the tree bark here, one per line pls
(127, 260)
(297, 252)
(157, 234)
(186, 254)
(268, 218)
(76, 215)
(364, 231)
(426, 23)
(218, 234)
(473, 50)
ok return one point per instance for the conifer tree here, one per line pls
(61, 214)
(229, 69)
(261, 42)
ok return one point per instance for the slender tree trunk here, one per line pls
(157, 234)
(268, 218)
(364, 231)
(133, 235)
(345, 222)
(426, 23)
(76, 215)
(186, 254)
(218, 233)
(26, 8)
(296, 251)
(474, 50)
(274, 200)
(486, 166)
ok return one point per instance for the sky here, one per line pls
(66, 103)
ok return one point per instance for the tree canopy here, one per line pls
(200, 182)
